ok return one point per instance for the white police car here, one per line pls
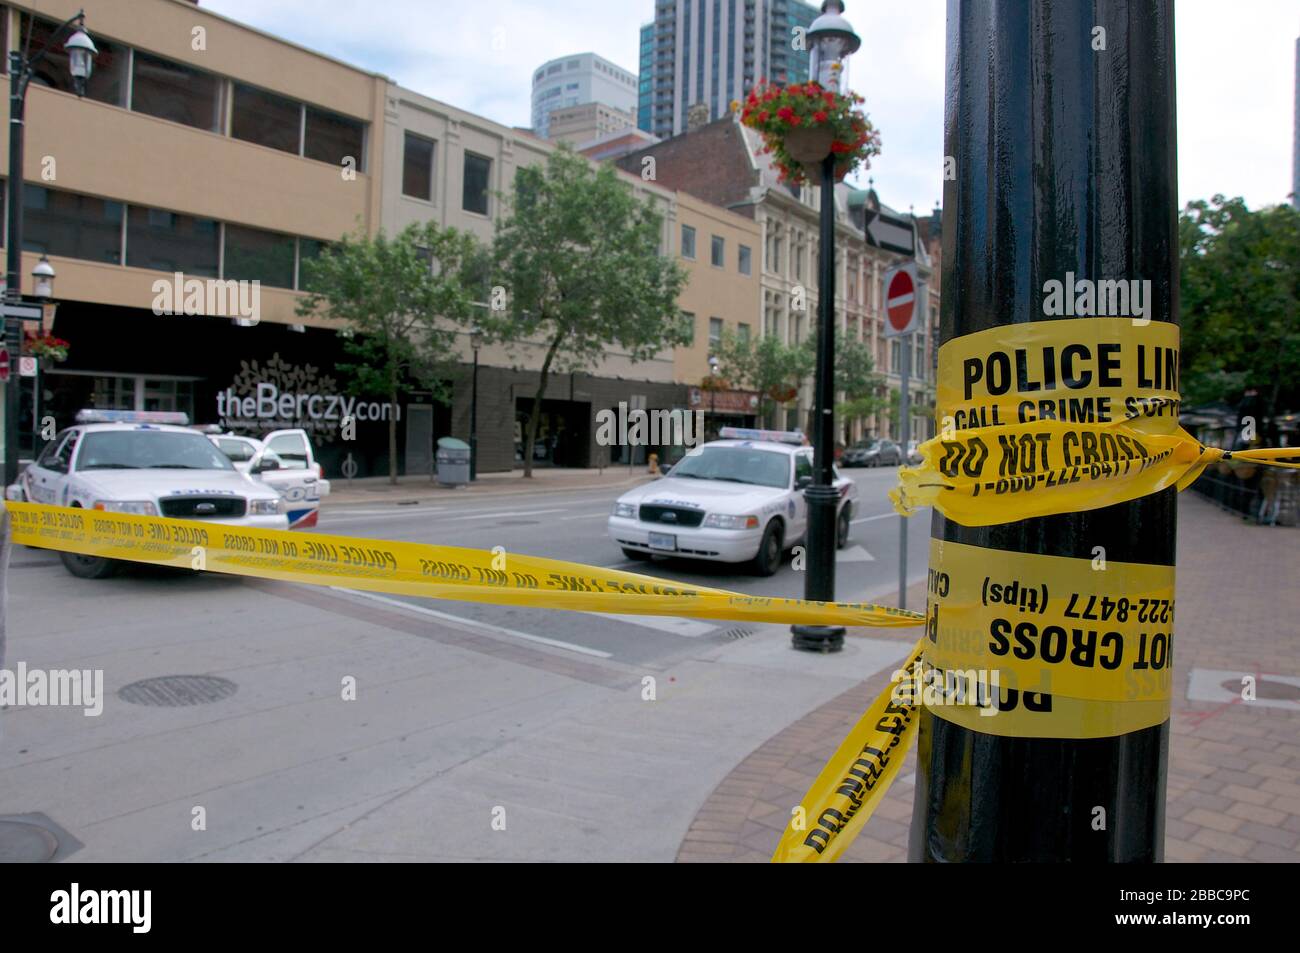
(733, 500)
(297, 479)
(142, 462)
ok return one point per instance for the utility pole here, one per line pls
(1060, 125)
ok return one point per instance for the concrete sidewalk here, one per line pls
(418, 489)
(1234, 766)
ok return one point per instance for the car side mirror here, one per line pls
(802, 482)
(263, 465)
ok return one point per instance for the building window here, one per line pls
(742, 333)
(107, 82)
(475, 193)
(252, 254)
(175, 92)
(71, 225)
(167, 241)
(746, 264)
(688, 322)
(309, 249)
(417, 167)
(332, 138)
(688, 242)
(715, 335)
(718, 252)
(266, 119)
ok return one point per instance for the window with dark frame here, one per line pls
(173, 91)
(718, 251)
(478, 172)
(417, 167)
(331, 137)
(253, 254)
(169, 241)
(107, 83)
(71, 225)
(266, 119)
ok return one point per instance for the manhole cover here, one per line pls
(1267, 690)
(174, 691)
(25, 843)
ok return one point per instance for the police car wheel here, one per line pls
(768, 559)
(89, 567)
(842, 529)
(635, 554)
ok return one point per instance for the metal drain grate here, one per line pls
(731, 635)
(176, 691)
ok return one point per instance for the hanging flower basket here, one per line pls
(801, 124)
(48, 349)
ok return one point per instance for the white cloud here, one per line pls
(1235, 73)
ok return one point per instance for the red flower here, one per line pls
(829, 98)
(794, 89)
(795, 120)
(841, 147)
(762, 117)
(786, 113)
(819, 116)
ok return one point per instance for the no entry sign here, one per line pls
(4, 364)
(901, 309)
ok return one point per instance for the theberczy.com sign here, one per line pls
(278, 395)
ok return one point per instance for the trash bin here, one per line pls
(453, 462)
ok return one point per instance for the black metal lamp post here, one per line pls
(81, 61)
(832, 40)
(713, 390)
(475, 342)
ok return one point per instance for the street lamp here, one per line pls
(81, 63)
(832, 40)
(713, 386)
(475, 342)
(43, 278)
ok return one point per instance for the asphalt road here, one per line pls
(571, 526)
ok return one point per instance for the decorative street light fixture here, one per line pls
(475, 342)
(81, 63)
(43, 278)
(713, 388)
(833, 40)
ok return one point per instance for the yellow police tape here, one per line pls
(439, 572)
(1058, 417)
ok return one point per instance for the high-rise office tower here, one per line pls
(576, 80)
(713, 52)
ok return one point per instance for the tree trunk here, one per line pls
(536, 413)
(392, 426)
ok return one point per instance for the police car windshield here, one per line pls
(149, 449)
(736, 465)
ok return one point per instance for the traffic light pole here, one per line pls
(1060, 122)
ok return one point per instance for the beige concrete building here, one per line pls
(720, 252)
(201, 147)
(446, 165)
(578, 125)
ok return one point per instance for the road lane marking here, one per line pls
(854, 554)
(496, 515)
(673, 625)
(868, 519)
(473, 623)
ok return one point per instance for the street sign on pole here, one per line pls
(22, 310)
(27, 366)
(4, 365)
(901, 311)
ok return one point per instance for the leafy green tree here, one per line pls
(579, 256)
(401, 300)
(1240, 305)
(767, 365)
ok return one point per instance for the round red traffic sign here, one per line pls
(900, 300)
(4, 364)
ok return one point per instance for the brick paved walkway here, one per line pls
(1234, 766)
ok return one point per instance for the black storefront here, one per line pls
(248, 379)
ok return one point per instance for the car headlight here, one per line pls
(723, 521)
(264, 507)
(627, 510)
(139, 507)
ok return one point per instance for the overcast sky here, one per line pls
(1236, 72)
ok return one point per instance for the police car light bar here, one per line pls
(772, 436)
(92, 416)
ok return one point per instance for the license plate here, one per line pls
(663, 541)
